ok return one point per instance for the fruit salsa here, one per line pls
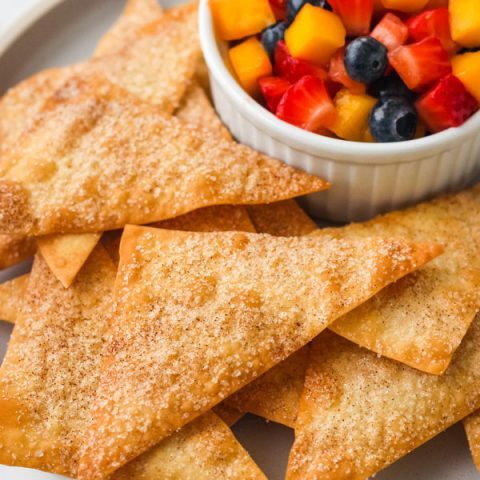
(359, 70)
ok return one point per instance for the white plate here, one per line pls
(55, 32)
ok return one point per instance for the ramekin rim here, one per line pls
(341, 150)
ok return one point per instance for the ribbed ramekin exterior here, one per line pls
(359, 190)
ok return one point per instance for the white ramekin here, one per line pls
(366, 178)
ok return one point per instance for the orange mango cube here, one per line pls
(315, 35)
(467, 68)
(352, 115)
(235, 19)
(465, 22)
(409, 6)
(250, 62)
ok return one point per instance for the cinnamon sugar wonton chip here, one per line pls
(11, 298)
(199, 315)
(58, 342)
(360, 412)
(129, 163)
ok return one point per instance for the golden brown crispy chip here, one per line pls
(281, 219)
(199, 315)
(49, 378)
(15, 249)
(360, 412)
(136, 14)
(422, 319)
(197, 110)
(66, 254)
(276, 394)
(472, 429)
(49, 375)
(11, 298)
(115, 159)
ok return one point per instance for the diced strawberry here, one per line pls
(279, 8)
(356, 15)
(447, 104)
(293, 69)
(433, 23)
(390, 31)
(338, 73)
(273, 89)
(421, 64)
(307, 105)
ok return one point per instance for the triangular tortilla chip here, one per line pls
(276, 394)
(422, 319)
(49, 378)
(136, 14)
(281, 219)
(115, 159)
(66, 254)
(472, 429)
(360, 412)
(199, 315)
(11, 298)
(227, 413)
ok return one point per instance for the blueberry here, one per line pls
(271, 36)
(393, 119)
(391, 86)
(365, 59)
(294, 6)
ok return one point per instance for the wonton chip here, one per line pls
(15, 249)
(281, 219)
(422, 319)
(49, 378)
(65, 254)
(472, 429)
(11, 298)
(136, 14)
(199, 315)
(360, 412)
(276, 394)
(115, 160)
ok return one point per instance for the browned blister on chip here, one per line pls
(115, 160)
(12, 293)
(199, 315)
(472, 429)
(360, 412)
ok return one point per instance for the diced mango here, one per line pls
(467, 68)
(352, 115)
(250, 62)
(235, 19)
(315, 35)
(409, 6)
(465, 22)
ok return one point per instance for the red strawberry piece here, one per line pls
(273, 89)
(338, 73)
(356, 15)
(447, 104)
(433, 23)
(390, 31)
(307, 105)
(279, 8)
(421, 64)
(293, 69)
